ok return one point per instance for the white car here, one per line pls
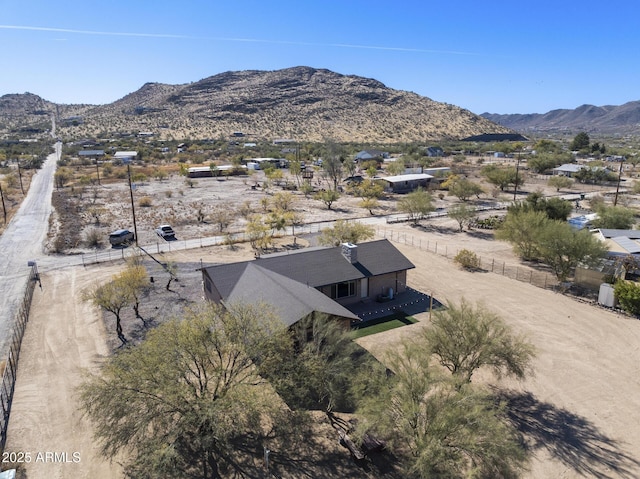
(165, 231)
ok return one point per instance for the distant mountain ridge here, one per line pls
(607, 120)
(302, 103)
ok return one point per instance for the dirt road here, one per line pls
(23, 241)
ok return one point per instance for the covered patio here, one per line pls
(409, 302)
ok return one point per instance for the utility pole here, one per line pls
(133, 209)
(615, 199)
(515, 188)
(4, 208)
(20, 176)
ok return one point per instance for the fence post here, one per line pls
(503, 269)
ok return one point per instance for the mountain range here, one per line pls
(302, 103)
(604, 120)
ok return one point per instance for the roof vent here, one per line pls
(350, 252)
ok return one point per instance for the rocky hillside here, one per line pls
(301, 103)
(607, 120)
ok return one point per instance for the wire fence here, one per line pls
(519, 272)
(120, 253)
(9, 374)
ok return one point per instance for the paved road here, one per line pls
(23, 241)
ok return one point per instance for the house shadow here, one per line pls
(568, 437)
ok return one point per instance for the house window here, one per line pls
(343, 290)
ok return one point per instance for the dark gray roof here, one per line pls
(614, 233)
(289, 281)
(292, 300)
(322, 266)
(317, 267)
(91, 152)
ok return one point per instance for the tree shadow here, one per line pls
(571, 438)
(431, 228)
(479, 234)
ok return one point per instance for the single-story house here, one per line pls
(365, 155)
(568, 169)
(434, 151)
(207, 172)
(620, 242)
(313, 280)
(406, 183)
(438, 171)
(91, 153)
(265, 162)
(125, 156)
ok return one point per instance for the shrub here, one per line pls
(168, 193)
(628, 295)
(145, 202)
(467, 259)
(93, 238)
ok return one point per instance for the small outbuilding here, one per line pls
(406, 183)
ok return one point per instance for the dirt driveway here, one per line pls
(64, 336)
(581, 410)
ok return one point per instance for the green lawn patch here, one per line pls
(395, 320)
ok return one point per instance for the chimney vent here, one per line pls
(350, 252)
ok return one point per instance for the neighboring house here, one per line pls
(434, 151)
(406, 183)
(620, 242)
(207, 172)
(125, 156)
(568, 169)
(365, 155)
(266, 162)
(313, 280)
(91, 153)
(438, 172)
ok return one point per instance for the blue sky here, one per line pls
(492, 56)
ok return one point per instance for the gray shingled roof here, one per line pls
(289, 281)
(323, 266)
(292, 300)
